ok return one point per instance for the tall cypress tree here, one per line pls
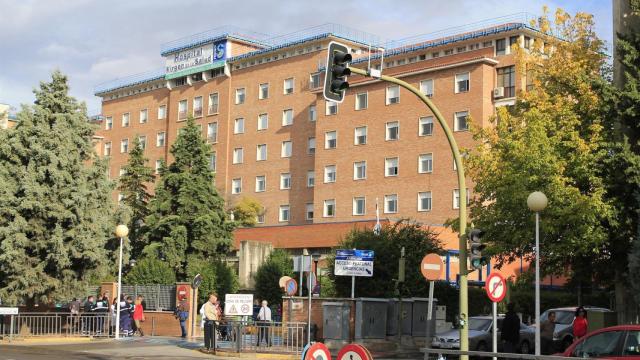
(187, 219)
(55, 200)
(133, 187)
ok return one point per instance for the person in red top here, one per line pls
(580, 324)
(138, 315)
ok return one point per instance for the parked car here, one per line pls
(563, 334)
(480, 336)
(616, 342)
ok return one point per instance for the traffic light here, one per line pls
(476, 246)
(335, 80)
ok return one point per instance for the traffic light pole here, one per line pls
(462, 214)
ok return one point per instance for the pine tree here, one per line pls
(133, 187)
(187, 218)
(55, 200)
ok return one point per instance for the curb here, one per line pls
(251, 355)
(44, 341)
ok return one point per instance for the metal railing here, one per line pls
(35, 324)
(276, 337)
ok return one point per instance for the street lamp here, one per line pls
(121, 231)
(536, 202)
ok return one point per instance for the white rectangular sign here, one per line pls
(306, 263)
(238, 304)
(8, 311)
(190, 58)
(353, 268)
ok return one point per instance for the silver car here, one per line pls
(563, 334)
(480, 336)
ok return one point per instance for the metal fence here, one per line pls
(276, 337)
(156, 297)
(55, 324)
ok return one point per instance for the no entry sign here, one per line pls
(431, 267)
(496, 287)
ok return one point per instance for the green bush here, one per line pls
(150, 271)
(268, 275)
(217, 277)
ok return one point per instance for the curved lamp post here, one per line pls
(121, 231)
(537, 201)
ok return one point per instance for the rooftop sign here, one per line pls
(196, 59)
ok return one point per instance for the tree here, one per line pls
(417, 242)
(133, 187)
(268, 275)
(187, 216)
(246, 211)
(150, 271)
(217, 278)
(55, 201)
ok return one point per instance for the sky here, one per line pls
(97, 41)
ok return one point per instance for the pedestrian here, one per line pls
(211, 315)
(202, 319)
(74, 309)
(580, 323)
(88, 325)
(547, 328)
(510, 330)
(112, 328)
(101, 313)
(126, 312)
(264, 320)
(138, 315)
(182, 314)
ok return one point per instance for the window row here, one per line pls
(143, 117)
(263, 91)
(213, 107)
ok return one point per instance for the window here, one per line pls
(501, 47)
(286, 149)
(236, 186)
(527, 42)
(448, 52)
(311, 178)
(425, 163)
(162, 112)
(263, 122)
(287, 117)
(393, 131)
(309, 211)
(601, 345)
(107, 149)
(124, 145)
(261, 183)
(631, 345)
(213, 161)
(462, 83)
(197, 106)
(182, 109)
(313, 114)
(142, 142)
(158, 167)
(314, 81)
(125, 120)
(360, 136)
(391, 204)
(160, 139)
(143, 116)
(329, 208)
(212, 132)
(361, 101)
(393, 94)
(330, 140)
(260, 217)
(311, 145)
(330, 174)
(456, 198)
(238, 154)
(513, 40)
(288, 86)
(424, 201)
(358, 205)
(460, 121)
(391, 166)
(240, 96)
(426, 87)
(180, 81)
(261, 152)
(359, 170)
(506, 78)
(425, 126)
(487, 43)
(238, 126)
(285, 181)
(213, 103)
(529, 80)
(108, 123)
(283, 216)
(331, 108)
(263, 93)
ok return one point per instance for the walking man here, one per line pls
(510, 331)
(264, 319)
(210, 321)
(182, 314)
(547, 328)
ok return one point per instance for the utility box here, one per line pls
(392, 316)
(335, 320)
(419, 324)
(371, 318)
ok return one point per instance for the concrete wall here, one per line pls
(251, 255)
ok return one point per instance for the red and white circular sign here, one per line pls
(496, 287)
(354, 352)
(318, 351)
(431, 267)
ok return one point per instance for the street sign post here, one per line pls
(431, 268)
(354, 263)
(238, 304)
(496, 288)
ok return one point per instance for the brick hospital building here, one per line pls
(318, 168)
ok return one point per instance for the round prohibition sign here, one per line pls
(318, 351)
(354, 352)
(496, 287)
